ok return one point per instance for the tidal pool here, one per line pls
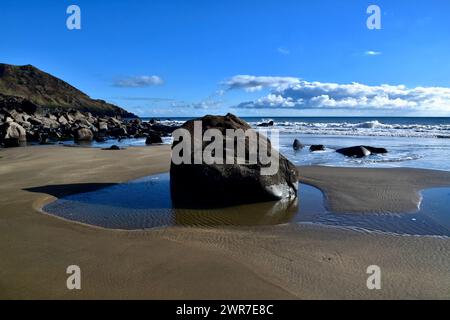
(145, 203)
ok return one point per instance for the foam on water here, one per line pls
(425, 153)
(367, 128)
(412, 142)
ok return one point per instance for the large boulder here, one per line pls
(229, 184)
(355, 152)
(84, 135)
(13, 134)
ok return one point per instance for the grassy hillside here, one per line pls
(50, 93)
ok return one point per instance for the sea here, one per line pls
(411, 141)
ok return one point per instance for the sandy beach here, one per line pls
(288, 261)
(395, 190)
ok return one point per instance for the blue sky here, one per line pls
(184, 58)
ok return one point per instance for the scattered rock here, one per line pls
(153, 138)
(356, 152)
(63, 120)
(103, 126)
(266, 124)
(163, 129)
(65, 126)
(297, 145)
(113, 147)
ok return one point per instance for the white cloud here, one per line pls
(253, 83)
(283, 51)
(372, 53)
(138, 82)
(356, 96)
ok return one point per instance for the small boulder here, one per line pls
(102, 126)
(266, 124)
(297, 145)
(113, 147)
(355, 152)
(153, 138)
(317, 147)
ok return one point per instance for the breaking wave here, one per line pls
(369, 128)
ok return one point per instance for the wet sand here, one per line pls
(395, 190)
(280, 262)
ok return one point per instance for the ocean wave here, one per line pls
(369, 128)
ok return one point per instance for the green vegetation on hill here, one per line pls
(50, 93)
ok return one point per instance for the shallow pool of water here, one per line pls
(145, 203)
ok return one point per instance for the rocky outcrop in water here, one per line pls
(297, 145)
(361, 151)
(266, 124)
(317, 147)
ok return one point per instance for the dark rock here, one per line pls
(356, 152)
(153, 138)
(113, 147)
(317, 147)
(297, 145)
(84, 135)
(35, 121)
(266, 124)
(230, 184)
(164, 129)
(376, 150)
(119, 132)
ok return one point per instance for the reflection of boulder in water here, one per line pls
(263, 213)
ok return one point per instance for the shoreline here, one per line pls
(279, 262)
